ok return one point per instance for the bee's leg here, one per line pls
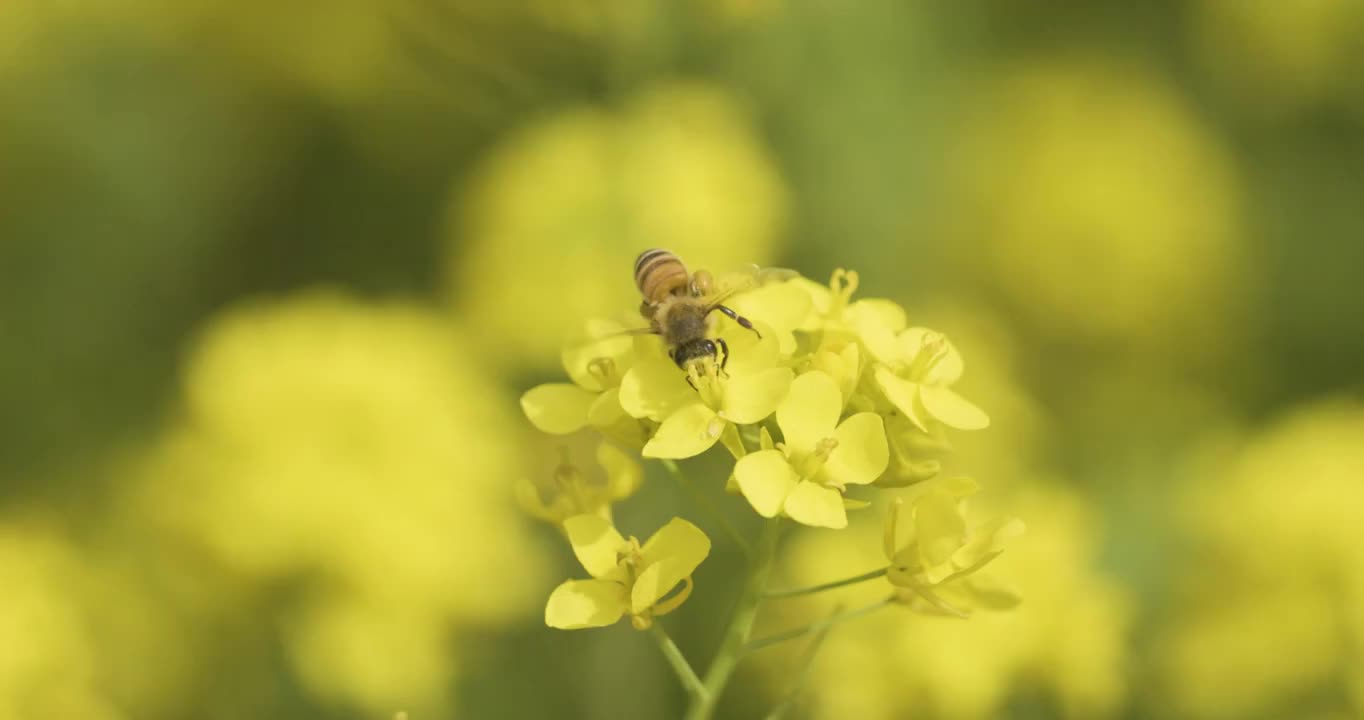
(724, 359)
(736, 317)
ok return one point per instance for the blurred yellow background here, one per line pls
(273, 276)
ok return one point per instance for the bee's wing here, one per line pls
(629, 332)
(745, 279)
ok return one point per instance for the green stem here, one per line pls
(680, 665)
(706, 504)
(807, 661)
(815, 627)
(740, 623)
(797, 592)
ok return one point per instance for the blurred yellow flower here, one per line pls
(543, 235)
(804, 478)
(1277, 524)
(1277, 56)
(360, 445)
(1104, 207)
(627, 578)
(1067, 638)
(935, 555)
(51, 661)
(570, 491)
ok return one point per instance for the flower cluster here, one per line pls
(824, 394)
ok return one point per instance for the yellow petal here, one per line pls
(605, 410)
(654, 387)
(557, 408)
(750, 398)
(903, 394)
(686, 433)
(852, 370)
(877, 313)
(862, 453)
(608, 350)
(749, 353)
(623, 474)
(940, 531)
(829, 363)
(529, 499)
(987, 593)
(679, 541)
(891, 537)
(671, 555)
(783, 306)
(946, 369)
(820, 301)
(608, 417)
(987, 542)
(809, 412)
(815, 505)
(733, 441)
(595, 542)
(675, 600)
(959, 487)
(766, 479)
(952, 409)
(578, 604)
(883, 346)
(911, 342)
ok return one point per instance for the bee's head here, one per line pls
(688, 353)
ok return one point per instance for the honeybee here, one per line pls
(678, 304)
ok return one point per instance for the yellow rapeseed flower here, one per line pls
(934, 556)
(569, 491)
(51, 659)
(916, 375)
(804, 477)
(596, 368)
(692, 419)
(627, 578)
(679, 167)
(839, 319)
(356, 444)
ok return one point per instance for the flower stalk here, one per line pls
(798, 592)
(807, 663)
(830, 621)
(740, 622)
(679, 663)
(707, 504)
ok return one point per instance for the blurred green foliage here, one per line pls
(259, 261)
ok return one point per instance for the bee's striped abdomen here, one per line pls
(659, 273)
